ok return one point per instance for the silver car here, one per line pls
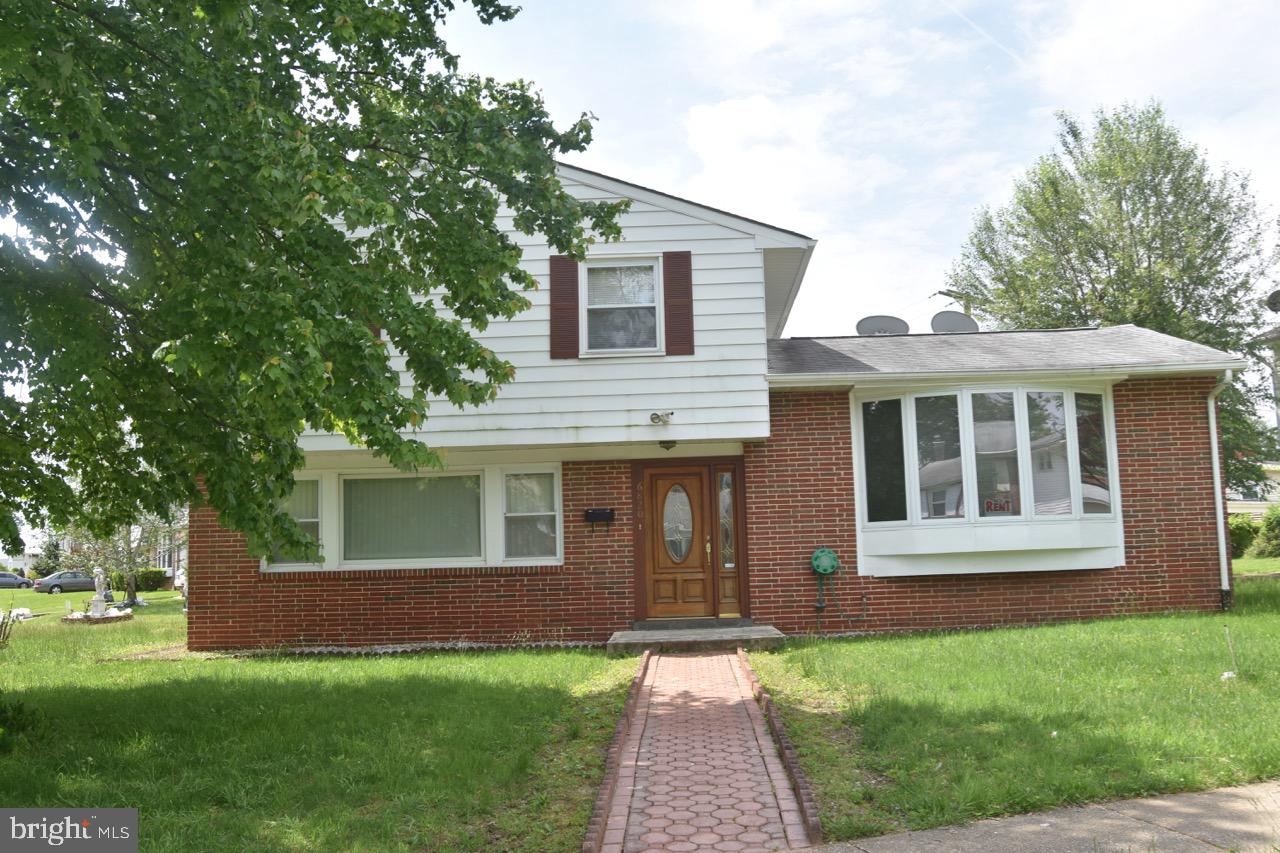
(8, 580)
(69, 580)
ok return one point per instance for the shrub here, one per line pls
(1267, 542)
(1243, 530)
(148, 580)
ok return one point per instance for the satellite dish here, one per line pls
(949, 322)
(880, 324)
(1273, 300)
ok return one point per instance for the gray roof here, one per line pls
(1123, 349)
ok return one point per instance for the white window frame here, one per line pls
(655, 261)
(492, 514)
(557, 505)
(911, 457)
(919, 537)
(293, 564)
(344, 563)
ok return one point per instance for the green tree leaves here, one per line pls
(1127, 223)
(216, 205)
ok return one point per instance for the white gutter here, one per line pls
(1215, 453)
(813, 380)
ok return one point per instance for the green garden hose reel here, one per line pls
(824, 563)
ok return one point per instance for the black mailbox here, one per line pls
(599, 515)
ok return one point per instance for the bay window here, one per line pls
(886, 497)
(938, 461)
(1047, 431)
(997, 478)
(1095, 478)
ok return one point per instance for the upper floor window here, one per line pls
(1014, 454)
(621, 306)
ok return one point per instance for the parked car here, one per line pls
(8, 580)
(69, 580)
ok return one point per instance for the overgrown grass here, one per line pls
(1255, 565)
(911, 732)
(453, 751)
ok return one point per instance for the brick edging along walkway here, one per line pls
(613, 762)
(787, 750)
(699, 769)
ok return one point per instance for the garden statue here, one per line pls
(98, 604)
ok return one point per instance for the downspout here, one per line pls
(1215, 453)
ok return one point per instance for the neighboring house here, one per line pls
(18, 563)
(1255, 502)
(662, 453)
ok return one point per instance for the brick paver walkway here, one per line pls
(699, 770)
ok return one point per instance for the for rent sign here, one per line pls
(100, 830)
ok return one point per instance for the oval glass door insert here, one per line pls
(677, 523)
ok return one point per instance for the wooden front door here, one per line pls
(690, 541)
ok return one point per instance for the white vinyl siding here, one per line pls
(717, 394)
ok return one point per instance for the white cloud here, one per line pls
(880, 127)
(781, 159)
(1214, 66)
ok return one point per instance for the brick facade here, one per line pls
(232, 604)
(799, 495)
(1167, 503)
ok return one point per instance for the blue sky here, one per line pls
(879, 127)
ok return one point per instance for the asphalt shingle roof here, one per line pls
(1112, 347)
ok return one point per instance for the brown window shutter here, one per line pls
(564, 307)
(677, 297)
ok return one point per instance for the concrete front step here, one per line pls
(695, 640)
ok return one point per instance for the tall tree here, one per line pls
(226, 211)
(1126, 222)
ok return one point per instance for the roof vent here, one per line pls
(880, 324)
(950, 322)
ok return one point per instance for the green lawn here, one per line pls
(1255, 565)
(481, 751)
(919, 731)
(43, 602)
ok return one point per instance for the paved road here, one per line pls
(1239, 819)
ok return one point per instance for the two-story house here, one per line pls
(663, 452)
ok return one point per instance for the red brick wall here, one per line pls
(799, 489)
(1170, 537)
(232, 604)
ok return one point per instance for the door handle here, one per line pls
(708, 549)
